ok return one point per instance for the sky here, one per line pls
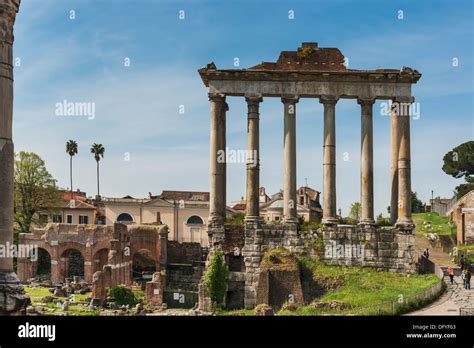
(136, 62)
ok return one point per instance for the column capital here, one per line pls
(328, 99)
(288, 98)
(216, 97)
(253, 99)
(365, 100)
(8, 11)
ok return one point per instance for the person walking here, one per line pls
(468, 280)
(451, 274)
(426, 253)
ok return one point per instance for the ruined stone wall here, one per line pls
(257, 240)
(383, 248)
(184, 252)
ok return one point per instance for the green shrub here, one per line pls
(310, 226)
(383, 221)
(236, 219)
(122, 296)
(215, 280)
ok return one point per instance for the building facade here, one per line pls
(462, 214)
(184, 212)
(271, 207)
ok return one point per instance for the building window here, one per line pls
(58, 219)
(158, 217)
(69, 219)
(83, 219)
(124, 217)
(277, 218)
(195, 220)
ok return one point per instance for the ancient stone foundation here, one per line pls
(257, 240)
(13, 300)
(383, 248)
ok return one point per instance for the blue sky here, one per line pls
(137, 107)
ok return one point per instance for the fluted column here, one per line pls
(394, 145)
(253, 158)
(217, 199)
(366, 162)
(404, 165)
(329, 160)
(289, 150)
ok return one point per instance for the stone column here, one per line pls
(404, 171)
(395, 143)
(12, 297)
(217, 204)
(253, 159)
(289, 139)
(329, 160)
(366, 162)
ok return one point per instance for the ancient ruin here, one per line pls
(319, 73)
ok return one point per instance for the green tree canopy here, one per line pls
(355, 211)
(35, 189)
(459, 162)
(417, 205)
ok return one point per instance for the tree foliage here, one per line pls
(417, 205)
(35, 189)
(215, 280)
(355, 211)
(459, 162)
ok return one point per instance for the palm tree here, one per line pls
(71, 149)
(98, 151)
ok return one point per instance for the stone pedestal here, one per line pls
(154, 292)
(13, 300)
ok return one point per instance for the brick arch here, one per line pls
(144, 240)
(100, 259)
(64, 262)
(72, 246)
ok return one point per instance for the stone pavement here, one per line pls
(449, 303)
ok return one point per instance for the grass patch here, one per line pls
(75, 309)
(278, 259)
(366, 291)
(439, 224)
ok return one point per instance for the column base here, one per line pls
(290, 221)
(13, 299)
(330, 221)
(367, 222)
(254, 221)
(407, 225)
(215, 221)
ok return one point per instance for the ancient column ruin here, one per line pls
(12, 296)
(317, 73)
